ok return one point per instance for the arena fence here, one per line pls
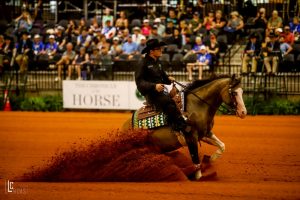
(284, 83)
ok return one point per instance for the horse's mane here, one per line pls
(200, 83)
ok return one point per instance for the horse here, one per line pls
(203, 99)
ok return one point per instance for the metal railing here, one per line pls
(283, 83)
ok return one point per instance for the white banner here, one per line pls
(113, 95)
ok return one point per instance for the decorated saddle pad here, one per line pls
(147, 117)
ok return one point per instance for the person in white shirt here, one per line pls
(137, 36)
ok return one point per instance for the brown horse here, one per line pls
(203, 99)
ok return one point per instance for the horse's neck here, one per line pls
(211, 94)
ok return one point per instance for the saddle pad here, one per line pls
(148, 120)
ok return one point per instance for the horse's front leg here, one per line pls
(213, 140)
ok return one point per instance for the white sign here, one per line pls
(113, 95)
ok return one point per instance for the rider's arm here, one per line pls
(143, 85)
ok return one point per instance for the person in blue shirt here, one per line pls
(129, 47)
(38, 45)
(51, 47)
(251, 54)
(203, 62)
(295, 25)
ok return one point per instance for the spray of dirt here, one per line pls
(125, 156)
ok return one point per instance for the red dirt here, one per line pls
(261, 160)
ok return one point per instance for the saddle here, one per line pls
(148, 117)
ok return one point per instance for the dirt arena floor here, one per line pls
(262, 158)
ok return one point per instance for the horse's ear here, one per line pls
(235, 80)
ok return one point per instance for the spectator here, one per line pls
(124, 36)
(161, 29)
(274, 22)
(66, 59)
(188, 14)
(172, 17)
(209, 21)
(260, 24)
(195, 24)
(203, 61)
(213, 50)
(176, 38)
(146, 29)
(108, 30)
(51, 47)
(115, 48)
(136, 36)
(79, 63)
(285, 47)
(23, 23)
(184, 30)
(295, 28)
(38, 47)
(95, 58)
(220, 23)
(234, 26)
(81, 26)
(71, 30)
(6, 52)
(24, 53)
(84, 38)
(154, 34)
(295, 25)
(107, 16)
(129, 47)
(251, 54)
(38, 12)
(94, 27)
(273, 53)
(122, 22)
(61, 40)
(142, 44)
(163, 18)
(288, 36)
(195, 49)
(169, 30)
(103, 43)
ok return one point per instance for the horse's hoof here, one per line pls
(198, 175)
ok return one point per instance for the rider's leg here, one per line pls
(165, 103)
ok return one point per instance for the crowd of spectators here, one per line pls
(83, 45)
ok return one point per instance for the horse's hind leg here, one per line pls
(213, 140)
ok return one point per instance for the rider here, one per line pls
(150, 79)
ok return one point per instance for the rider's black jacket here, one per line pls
(148, 74)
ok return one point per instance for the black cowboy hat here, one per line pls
(152, 44)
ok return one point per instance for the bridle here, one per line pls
(225, 109)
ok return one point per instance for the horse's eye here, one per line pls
(234, 93)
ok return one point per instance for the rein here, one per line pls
(228, 110)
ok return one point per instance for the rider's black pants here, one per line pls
(164, 102)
